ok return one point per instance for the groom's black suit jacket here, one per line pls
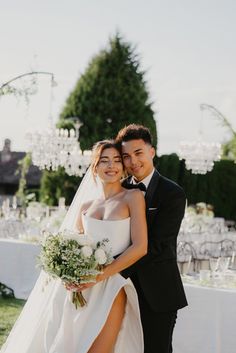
(157, 272)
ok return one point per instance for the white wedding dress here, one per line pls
(53, 325)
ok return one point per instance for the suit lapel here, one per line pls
(152, 187)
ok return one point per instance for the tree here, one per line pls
(58, 184)
(110, 94)
(24, 165)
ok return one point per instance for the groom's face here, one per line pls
(138, 158)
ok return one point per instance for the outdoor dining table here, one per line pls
(207, 325)
(18, 269)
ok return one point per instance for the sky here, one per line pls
(186, 47)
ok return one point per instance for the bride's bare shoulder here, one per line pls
(134, 195)
(85, 206)
(135, 202)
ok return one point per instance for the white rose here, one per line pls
(86, 251)
(85, 240)
(81, 238)
(100, 256)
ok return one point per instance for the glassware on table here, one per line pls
(61, 203)
(224, 264)
(232, 260)
(230, 279)
(187, 266)
(6, 208)
(214, 263)
(14, 203)
(205, 276)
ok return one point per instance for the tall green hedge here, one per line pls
(217, 187)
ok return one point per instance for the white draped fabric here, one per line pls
(207, 325)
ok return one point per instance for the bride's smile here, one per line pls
(109, 167)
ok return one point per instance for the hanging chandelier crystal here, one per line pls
(56, 148)
(199, 156)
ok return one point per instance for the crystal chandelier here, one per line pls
(199, 156)
(56, 148)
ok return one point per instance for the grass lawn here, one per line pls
(9, 312)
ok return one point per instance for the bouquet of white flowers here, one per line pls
(74, 258)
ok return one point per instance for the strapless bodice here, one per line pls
(116, 231)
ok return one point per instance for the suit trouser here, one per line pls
(157, 327)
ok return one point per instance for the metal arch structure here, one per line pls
(219, 115)
(27, 74)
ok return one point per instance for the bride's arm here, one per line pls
(138, 247)
(79, 223)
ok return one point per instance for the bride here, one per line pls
(110, 322)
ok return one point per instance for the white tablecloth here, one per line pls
(207, 325)
(17, 266)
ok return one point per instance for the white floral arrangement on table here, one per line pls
(74, 258)
(201, 208)
(198, 218)
(35, 210)
(53, 223)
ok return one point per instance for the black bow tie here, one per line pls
(139, 186)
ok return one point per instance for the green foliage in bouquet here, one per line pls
(74, 258)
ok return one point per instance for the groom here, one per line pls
(156, 276)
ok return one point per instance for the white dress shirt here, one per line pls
(145, 181)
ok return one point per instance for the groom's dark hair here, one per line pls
(134, 132)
